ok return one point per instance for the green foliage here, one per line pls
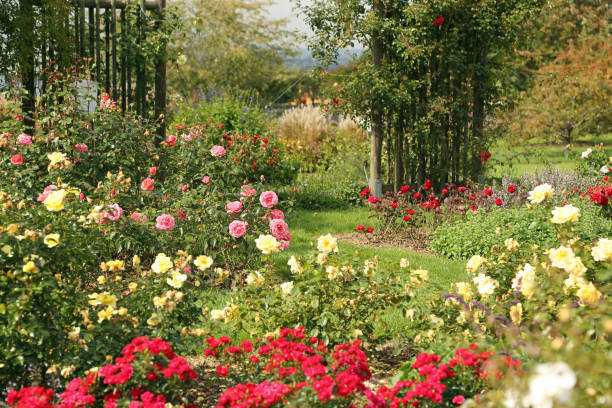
(478, 233)
(244, 48)
(426, 81)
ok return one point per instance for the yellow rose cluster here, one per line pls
(541, 193)
(564, 258)
(267, 244)
(474, 263)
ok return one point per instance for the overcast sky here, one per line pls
(285, 8)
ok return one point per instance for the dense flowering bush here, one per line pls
(332, 296)
(148, 374)
(293, 369)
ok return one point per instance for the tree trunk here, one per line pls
(478, 124)
(377, 130)
(399, 154)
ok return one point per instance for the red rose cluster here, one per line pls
(290, 365)
(147, 375)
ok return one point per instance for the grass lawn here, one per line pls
(307, 225)
(515, 160)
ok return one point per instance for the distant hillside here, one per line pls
(304, 58)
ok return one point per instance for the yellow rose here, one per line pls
(576, 267)
(255, 278)
(485, 285)
(588, 293)
(404, 263)
(132, 286)
(30, 267)
(294, 264)
(106, 314)
(567, 213)
(541, 193)
(332, 272)
(286, 288)
(154, 320)
(101, 280)
(162, 264)
(115, 265)
(474, 263)
(511, 244)
(524, 281)
(105, 299)
(122, 311)
(418, 277)
(267, 244)
(217, 314)
(602, 250)
(177, 280)
(203, 262)
(230, 313)
(573, 281)
(327, 244)
(56, 158)
(51, 240)
(321, 258)
(55, 200)
(464, 289)
(516, 313)
(562, 257)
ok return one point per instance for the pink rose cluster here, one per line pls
(113, 215)
(238, 228)
(24, 140)
(233, 207)
(164, 222)
(268, 199)
(217, 151)
(280, 230)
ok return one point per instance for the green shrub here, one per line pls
(478, 233)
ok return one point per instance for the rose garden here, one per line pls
(431, 228)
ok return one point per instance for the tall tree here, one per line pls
(231, 43)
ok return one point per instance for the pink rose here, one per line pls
(233, 207)
(184, 187)
(217, 151)
(17, 159)
(43, 196)
(283, 245)
(81, 147)
(24, 140)
(238, 228)
(152, 171)
(268, 199)
(171, 140)
(285, 236)
(147, 184)
(276, 214)
(278, 228)
(247, 191)
(116, 213)
(164, 222)
(138, 217)
(206, 180)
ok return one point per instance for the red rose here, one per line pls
(369, 230)
(365, 192)
(511, 189)
(461, 189)
(373, 199)
(487, 192)
(360, 227)
(498, 202)
(147, 184)
(445, 191)
(472, 197)
(17, 159)
(405, 189)
(416, 196)
(394, 205)
(406, 218)
(409, 211)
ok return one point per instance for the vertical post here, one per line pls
(98, 45)
(82, 28)
(114, 41)
(123, 61)
(160, 81)
(27, 62)
(139, 63)
(143, 69)
(77, 30)
(128, 65)
(91, 24)
(107, 53)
